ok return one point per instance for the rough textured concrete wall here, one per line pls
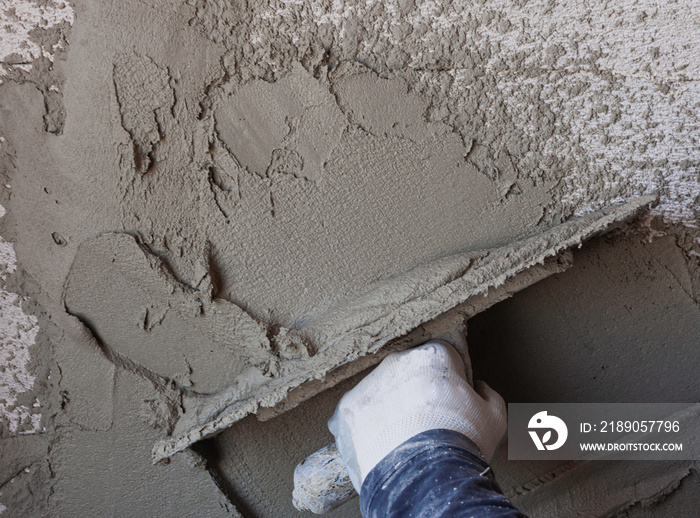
(253, 163)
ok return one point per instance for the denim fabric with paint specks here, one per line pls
(436, 474)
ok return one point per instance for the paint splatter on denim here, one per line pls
(436, 474)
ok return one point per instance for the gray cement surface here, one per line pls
(185, 180)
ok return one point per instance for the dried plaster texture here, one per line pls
(602, 98)
(21, 20)
(18, 332)
(184, 179)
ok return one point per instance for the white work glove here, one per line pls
(409, 393)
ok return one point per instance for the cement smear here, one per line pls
(184, 178)
(587, 334)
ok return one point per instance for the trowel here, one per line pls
(321, 481)
(393, 314)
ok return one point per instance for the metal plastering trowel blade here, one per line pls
(358, 332)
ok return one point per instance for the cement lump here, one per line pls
(291, 126)
(143, 313)
(144, 96)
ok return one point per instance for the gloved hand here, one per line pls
(409, 393)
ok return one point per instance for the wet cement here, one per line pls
(585, 335)
(185, 180)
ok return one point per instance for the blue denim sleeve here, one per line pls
(436, 474)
